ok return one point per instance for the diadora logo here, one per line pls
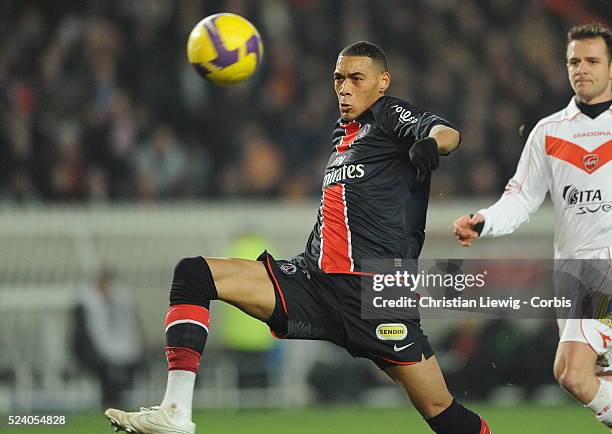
(405, 115)
(585, 201)
(592, 134)
(288, 268)
(391, 332)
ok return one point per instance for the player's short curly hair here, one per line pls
(591, 30)
(367, 49)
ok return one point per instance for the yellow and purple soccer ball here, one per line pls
(225, 48)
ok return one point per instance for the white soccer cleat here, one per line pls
(153, 420)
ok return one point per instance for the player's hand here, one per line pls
(467, 228)
(425, 156)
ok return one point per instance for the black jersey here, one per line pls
(372, 205)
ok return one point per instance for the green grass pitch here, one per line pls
(350, 420)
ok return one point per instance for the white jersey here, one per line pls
(567, 154)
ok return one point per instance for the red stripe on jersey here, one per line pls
(351, 130)
(336, 251)
(187, 312)
(578, 156)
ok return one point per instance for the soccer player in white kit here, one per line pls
(569, 155)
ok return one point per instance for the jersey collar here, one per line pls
(368, 112)
(573, 110)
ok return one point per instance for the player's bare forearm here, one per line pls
(447, 138)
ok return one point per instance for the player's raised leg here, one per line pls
(196, 282)
(574, 369)
(427, 391)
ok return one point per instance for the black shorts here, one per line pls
(314, 305)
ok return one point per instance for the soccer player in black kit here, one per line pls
(374, 205)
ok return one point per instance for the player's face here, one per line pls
(589, 70)
(358, 82)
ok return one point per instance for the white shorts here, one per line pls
(597, 276)
(592, 332)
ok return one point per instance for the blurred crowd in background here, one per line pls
(98, 102)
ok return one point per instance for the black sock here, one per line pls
(456, 419)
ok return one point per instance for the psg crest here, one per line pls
(363, 131)
(288, 268)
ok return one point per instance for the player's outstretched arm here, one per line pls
(467, 228)
(447, 138)
(523, 195)
(425, 153)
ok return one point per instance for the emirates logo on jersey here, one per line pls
(590, 162)
(346, 171)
